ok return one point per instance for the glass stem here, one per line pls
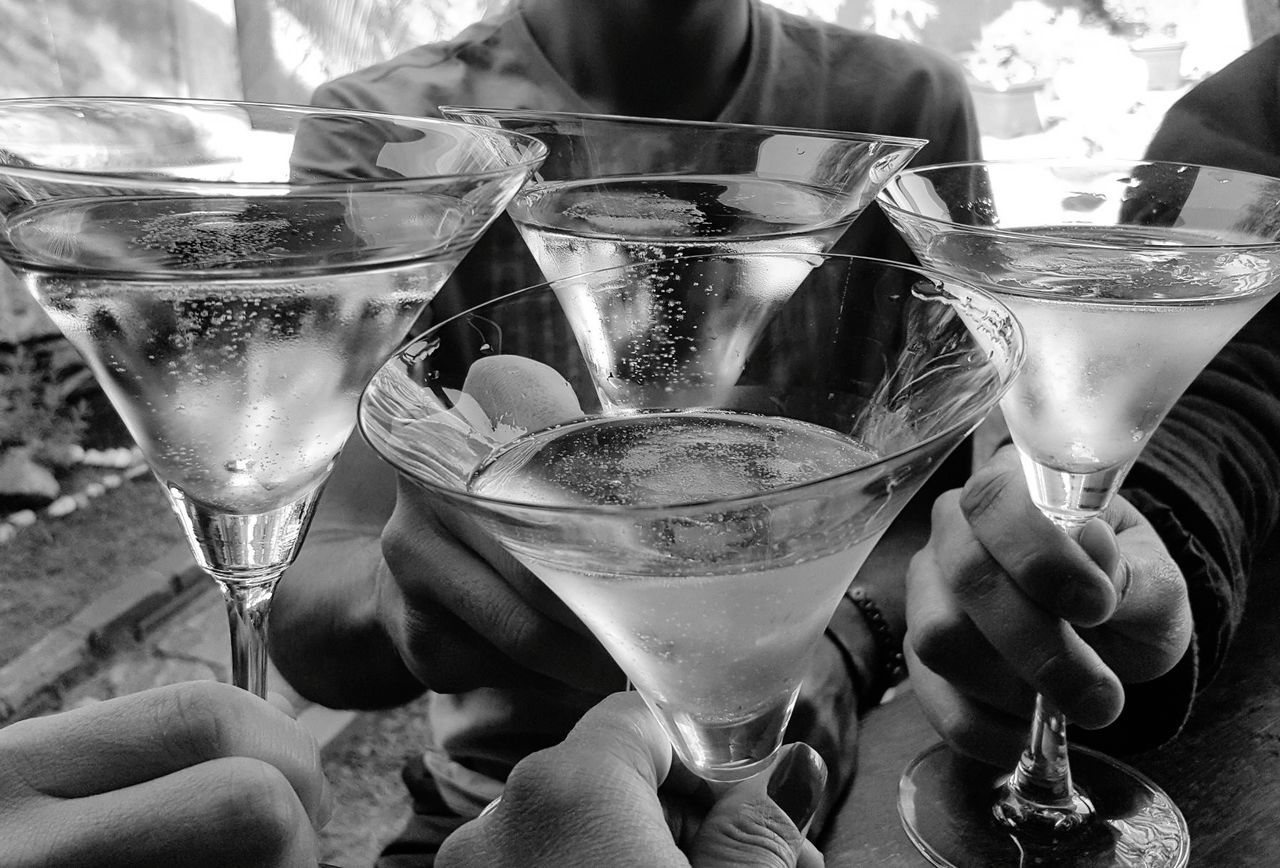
(248, 605)
(1039, 795)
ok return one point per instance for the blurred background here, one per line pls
(280, 50)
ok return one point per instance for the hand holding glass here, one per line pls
(702, 519)
(233, 273)
(1128, 277)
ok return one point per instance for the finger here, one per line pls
(1049, 655)
(448, 585)
(592, 800)
(447, 655)
(972, 667)
(761, 823)
(1049, 567)
(622, 730)
(530, 588)
(1041, 649)
(942, 638)
(1152, 626)
(963, 721)
(227, 813)
(1099, 542)
(148, 735)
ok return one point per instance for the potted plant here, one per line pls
(1152, 29)
(41, 426)
(1009, 67)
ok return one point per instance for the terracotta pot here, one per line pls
(1164, 63)
(1010, 112)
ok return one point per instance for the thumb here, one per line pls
(761, 823)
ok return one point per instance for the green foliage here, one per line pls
(1146, 19)
(1017, 47)
(343, 35)
(35, 407)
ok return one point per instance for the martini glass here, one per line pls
(233, 273)
(704, 535)
(1128, 277)
(617, 190)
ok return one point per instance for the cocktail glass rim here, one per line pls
(1016, 343)
(161, 183)
(536, 114)
(884, 200)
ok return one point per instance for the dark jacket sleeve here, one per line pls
(1231, 119)
(1208, 480)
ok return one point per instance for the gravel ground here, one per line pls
(363, 765)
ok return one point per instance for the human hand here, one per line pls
(611, 795)
(196, 774)
(462, 611)
(1001, 604)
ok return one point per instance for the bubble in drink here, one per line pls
(240, 388)
(1103, 367)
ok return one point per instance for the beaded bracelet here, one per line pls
(893, 664)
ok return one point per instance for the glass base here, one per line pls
(727, 752)
(946, 802)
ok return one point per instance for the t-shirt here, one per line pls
(799, 73)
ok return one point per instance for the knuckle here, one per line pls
(976, 582)
(1036, 563)
(525, 636)
(941, 641)
(198, 718)
(758, 835)
(397, 545)
(256, 802)
(544, 783)
(437, 656)
(982, 492)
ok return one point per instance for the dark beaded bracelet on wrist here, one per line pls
(893, 664)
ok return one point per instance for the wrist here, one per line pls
(870, 645)
(889, 665)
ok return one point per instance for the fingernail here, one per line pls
(1099, 705)
(796, 783)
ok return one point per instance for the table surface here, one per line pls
(1223, 771)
